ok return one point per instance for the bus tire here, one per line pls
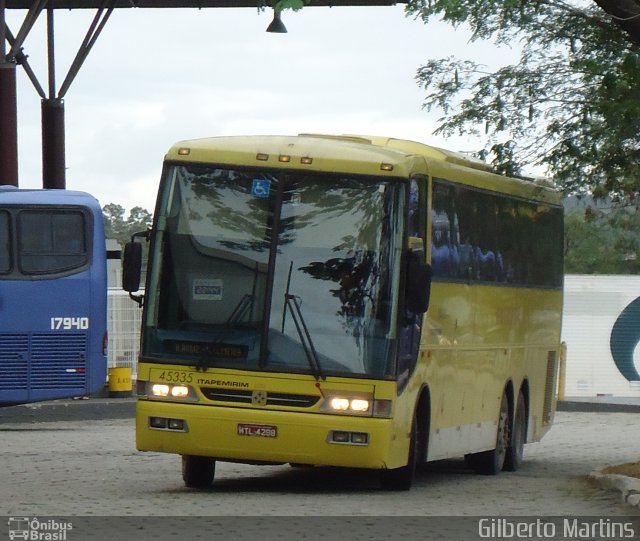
(515, 451)
(402, 478)
(491, 462)
(198, 471)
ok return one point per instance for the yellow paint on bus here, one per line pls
(361, 380)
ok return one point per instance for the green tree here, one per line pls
(121, 229)
(602, 241)
(295, 5)
(571, 103)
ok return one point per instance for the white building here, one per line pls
(593, 306)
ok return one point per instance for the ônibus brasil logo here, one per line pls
(34, 529)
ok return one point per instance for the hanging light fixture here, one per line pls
(277, 26)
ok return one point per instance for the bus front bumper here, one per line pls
(255, 435)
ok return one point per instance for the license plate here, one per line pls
(260, 431)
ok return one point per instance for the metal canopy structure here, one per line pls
(52, 100)
(94, 4)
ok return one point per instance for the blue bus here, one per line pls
(53, 295)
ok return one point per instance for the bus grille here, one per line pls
(58, 360)
(43, 361)
(13, 361)
(272, 399)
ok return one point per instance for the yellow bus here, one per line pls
(350, 301)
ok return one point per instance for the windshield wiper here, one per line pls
(241, 308)
(293, 303)
(305, 337)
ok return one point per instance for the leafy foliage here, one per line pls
(121, 229)
(294, 5)
(602, 241)
(571, 103)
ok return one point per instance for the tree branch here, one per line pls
(625, 13)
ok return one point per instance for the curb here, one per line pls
(629, 487)
(596, 407)
(69, 410)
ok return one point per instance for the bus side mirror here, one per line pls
(418, 287)
(132, 266)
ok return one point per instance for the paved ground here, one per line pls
(89, 468)
(92, 468)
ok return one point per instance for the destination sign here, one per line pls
(207, 349)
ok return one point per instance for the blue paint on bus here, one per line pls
(53, 295)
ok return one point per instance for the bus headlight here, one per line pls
(159, 389)
(339, 404)
(348, 404)
(179, 392)
(357, 405)
(360, 405)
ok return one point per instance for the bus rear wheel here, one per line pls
(198, 471)
(515, 451)
(491, 462)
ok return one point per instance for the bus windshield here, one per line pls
(275, 271)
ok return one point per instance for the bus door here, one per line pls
(417, 280)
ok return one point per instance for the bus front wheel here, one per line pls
(402, 478)
(198, 471)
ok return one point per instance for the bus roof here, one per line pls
(313, 152)
(449, 165)
(12, 195)
(356, 154)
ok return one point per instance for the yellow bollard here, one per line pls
(562, 372)
(120, 382)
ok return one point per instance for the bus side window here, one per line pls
(5, 247)
(416, 225)
(51, 241)
(443, 253)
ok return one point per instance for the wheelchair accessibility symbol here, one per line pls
(260, 188)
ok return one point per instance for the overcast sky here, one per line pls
(159, 76)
